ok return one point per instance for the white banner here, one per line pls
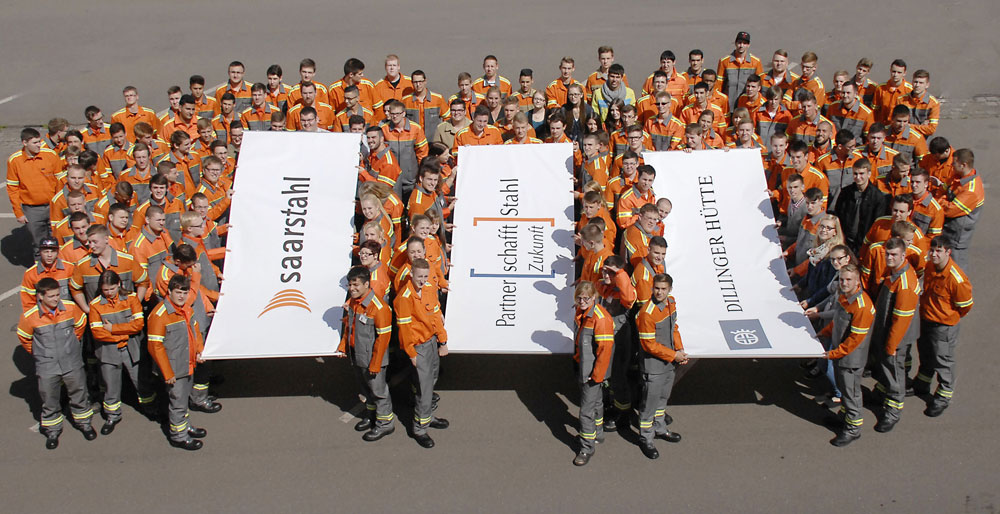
(512, 262)
(733, 294)
(290, 247)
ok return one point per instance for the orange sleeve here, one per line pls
(961, 297)
(216, 254)
(604, 336)
(219, 209)
(25, 333)
(28, 299)
(902, 315)
(861, 322)
(383, 332)
(97, 327)
(157, 330)
(647, 338)
(627, 293)
(404, 321)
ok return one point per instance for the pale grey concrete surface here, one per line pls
(752, 435)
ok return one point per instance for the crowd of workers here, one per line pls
(128, 222)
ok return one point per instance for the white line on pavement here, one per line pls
(7, 215)
(13, 291)
(9, 98)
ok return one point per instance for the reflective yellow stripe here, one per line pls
(53, 422)
(83, 415)
(403, 321)
(856, 330)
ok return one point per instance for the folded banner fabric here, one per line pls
(733, 295)
(290, 247)
(512, 263)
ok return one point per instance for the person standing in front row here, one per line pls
(51, 331)
(175, 343)
(662, 352)
(947, 298)
(367, 328)
(423, 338)
(595, 341)
(849, 339)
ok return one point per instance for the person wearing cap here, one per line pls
(49, 265)
(736, 68)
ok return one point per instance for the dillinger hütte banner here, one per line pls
(512, 262)
(733, 294)
(290, 245)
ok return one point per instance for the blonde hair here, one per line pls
(375, 226)
(370, 198)
(189, 219)
(585, 288)
(838, 237)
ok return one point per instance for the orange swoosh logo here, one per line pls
(286, 298)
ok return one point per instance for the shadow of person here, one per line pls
(16, 247)
(26, 387)
(761, 381)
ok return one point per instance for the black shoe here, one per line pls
(910, 391)
(424, 440)
(109, 426)
(667, 419)
(89, 433)
(378, 433)
(649, 451)
(197, 433)
(190, 444)
(51, 441)
(439, 423)
(846, 437)
(920, 391)
(209, 406)
(611, 421)
(670, 437)
(886, 424)
(582, 459)
(364, 425)
(935, 409)
(435, 398)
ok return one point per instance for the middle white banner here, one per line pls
(512, 261)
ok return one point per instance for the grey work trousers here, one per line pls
(177, 410)
(936, 348)
(591, 415)
(654, 408)
(428, 364)
(50, 389)
(376, 392)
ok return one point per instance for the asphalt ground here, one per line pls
(753, 436)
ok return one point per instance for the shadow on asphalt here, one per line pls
(26, 386)
(16, 247)
(538, 382)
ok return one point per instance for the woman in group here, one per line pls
(613, 121)
(538, 117)
(819, 308)
(577, 112)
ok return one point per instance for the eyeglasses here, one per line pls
(827, 227)
(365, 254)
(396, 113)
